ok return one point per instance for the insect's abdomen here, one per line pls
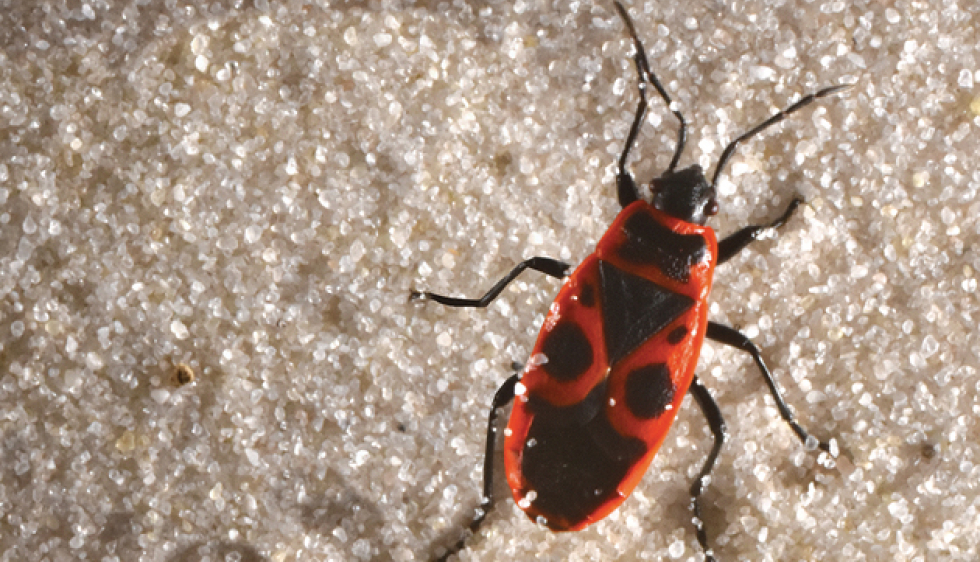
(612, 363)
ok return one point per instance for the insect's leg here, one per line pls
(548, 266)
(503, 397)
(730, 336)
(625, 183)
(735, 243)
(717, 424)
(804, 101)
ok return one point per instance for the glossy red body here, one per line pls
(597, 440)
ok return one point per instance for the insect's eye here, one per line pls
(712, 208)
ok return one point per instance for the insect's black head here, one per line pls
(686, 195)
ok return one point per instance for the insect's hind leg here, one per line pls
(503, 397)
(548, 266)
(737, 242)
(730, 336)
(717, 424)
(625, 183)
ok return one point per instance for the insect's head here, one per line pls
(685, 194)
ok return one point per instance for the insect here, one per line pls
(618, 349)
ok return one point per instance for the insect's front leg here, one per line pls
(737, 242)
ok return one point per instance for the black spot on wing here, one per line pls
(651, 243)
(568, 351)
(635, 309)
(677, 335)
(575, 468)
(649, 391)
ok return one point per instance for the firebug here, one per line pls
(619, 346)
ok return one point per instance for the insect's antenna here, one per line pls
(805, 101)
(643, 68)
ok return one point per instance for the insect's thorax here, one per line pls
(652, 245)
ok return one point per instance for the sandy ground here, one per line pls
(252, 189)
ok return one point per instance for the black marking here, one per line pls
(677, 335)
(586, 295)
(649, 242)
(568, 350)
(580, 413)
(685, 195)
(649, 391)
(575, 469)
(635, 309)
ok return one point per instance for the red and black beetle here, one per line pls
(618, 349)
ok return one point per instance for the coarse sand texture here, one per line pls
(212, 216)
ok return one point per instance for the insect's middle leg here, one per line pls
(737, 242)
(503, 397)
(548, 266)
(717, 424)
(730, 336)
